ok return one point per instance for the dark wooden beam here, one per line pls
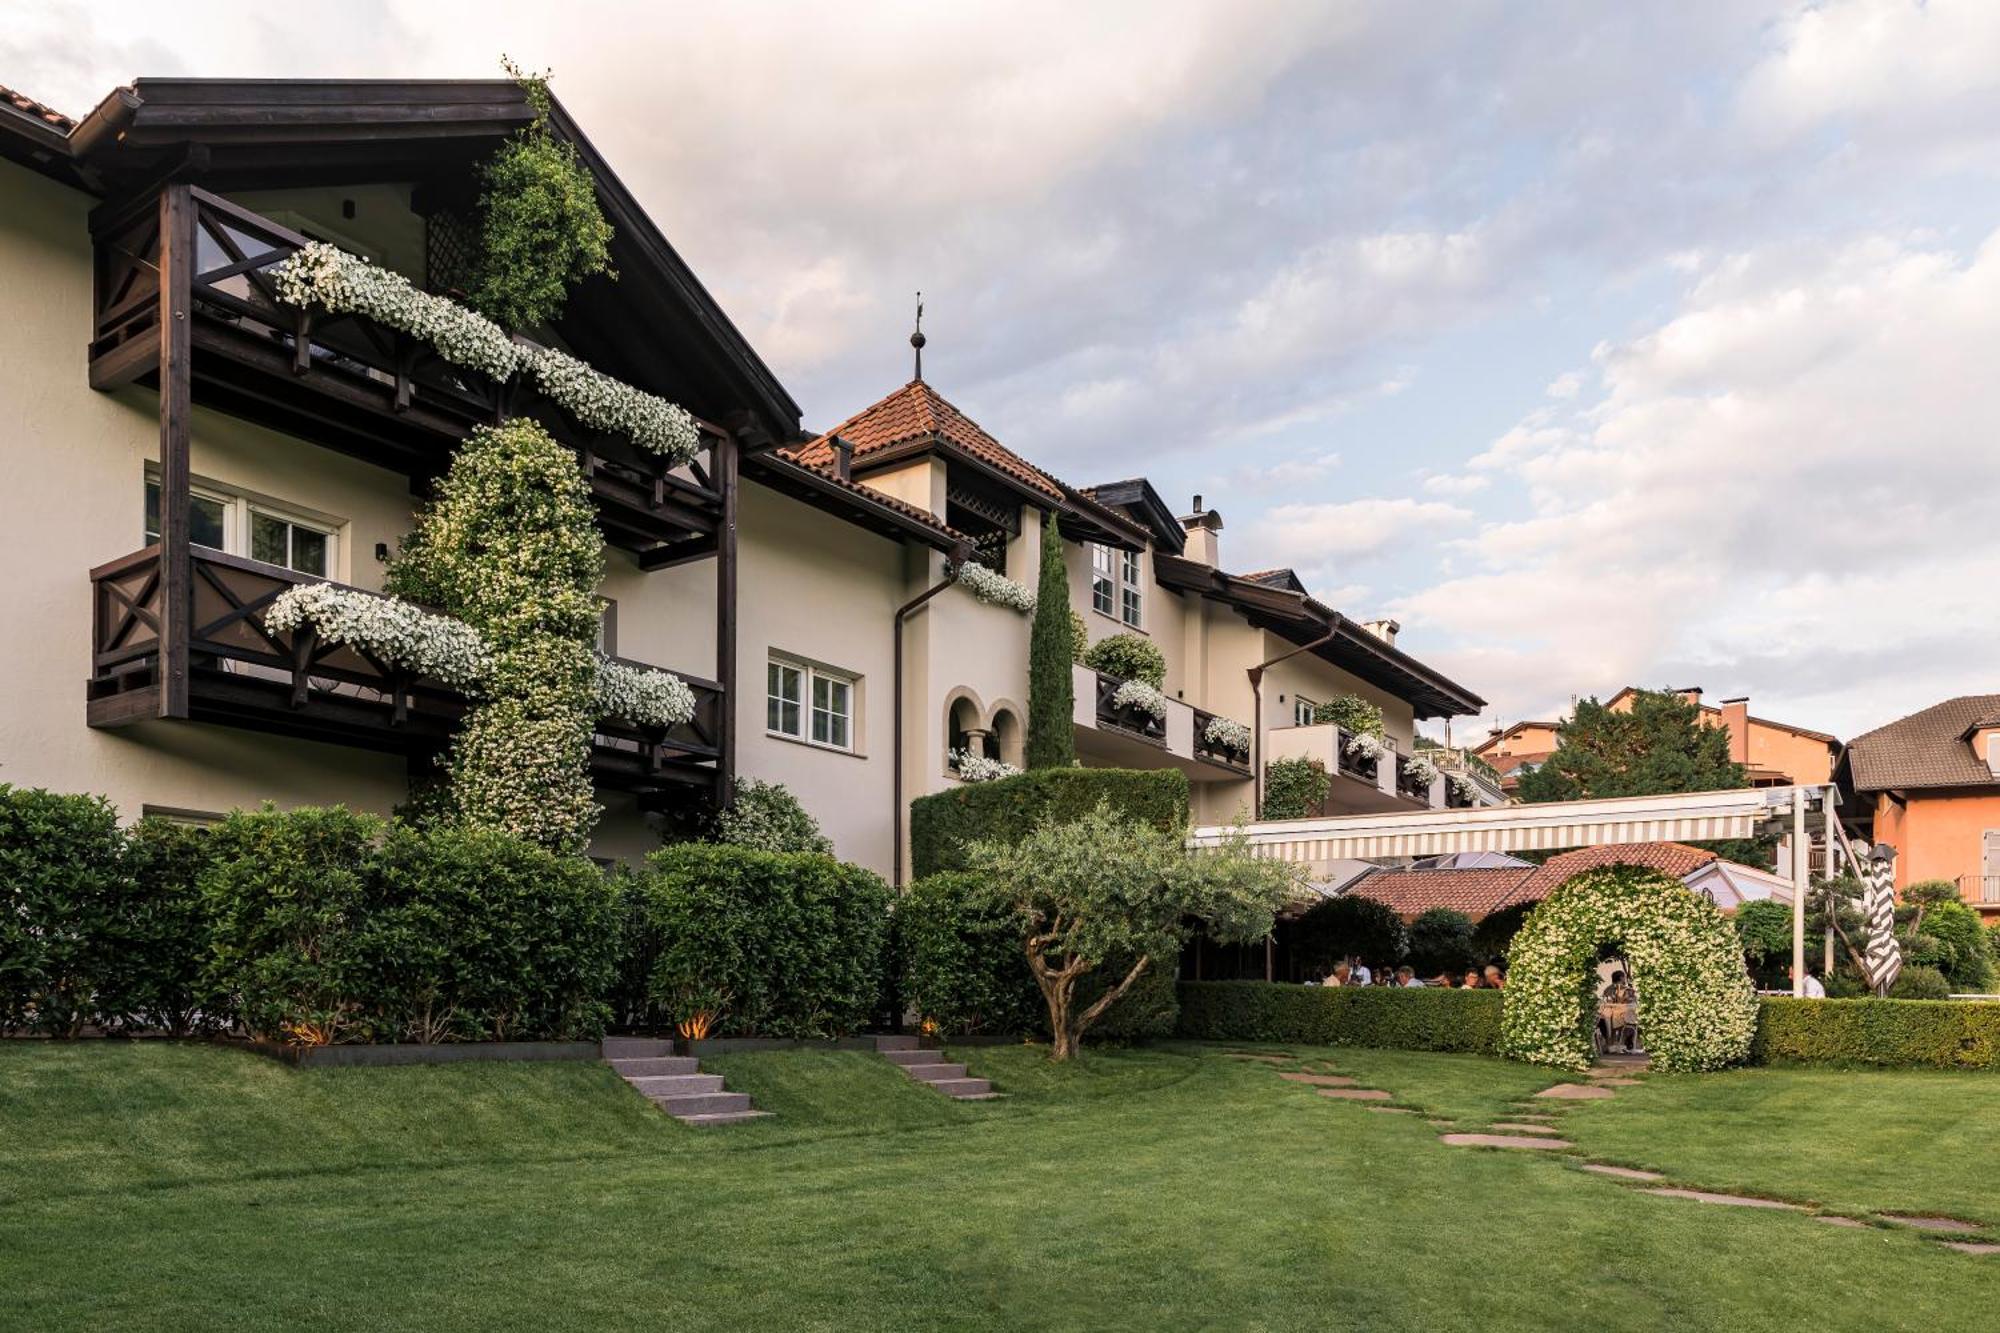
(724, 476)
(177, 263)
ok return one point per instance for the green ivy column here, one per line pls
(1051, 689)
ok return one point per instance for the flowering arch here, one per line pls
(1696, 1006)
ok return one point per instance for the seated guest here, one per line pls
(1444, 979)
(1342, 975)
(1407, 976)
(1472, 981)
(1495, 979)
(1620, 1011)
(1363, 976)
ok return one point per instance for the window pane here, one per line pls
(1131, 607)
(152, 512)
(1100, 596)
(782, 685)
(204, 518)
(267, 539)
(309, 551)
(1100, 558)
(1131, 567)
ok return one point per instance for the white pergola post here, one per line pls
(1799, 879)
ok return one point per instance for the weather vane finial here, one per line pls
(917, 338)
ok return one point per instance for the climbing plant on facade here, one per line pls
(1051, 648)
(509, 547)
(1697, 1010)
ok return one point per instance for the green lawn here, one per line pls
(157, 1186)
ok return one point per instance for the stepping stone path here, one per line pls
(1533, 1129)
(927, 1066)
(1501, 1141)
(1733, 1200)
(675, 1083)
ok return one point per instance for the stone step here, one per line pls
(895, 1044)
(978, 1096)
(677, 1085)
(962, 1087)
(910, 1057)
(633, 1048)
(644, 1065)
(934, 1073)
(702, 1103)
(721, 1118)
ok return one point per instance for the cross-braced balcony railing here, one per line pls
(1204, 748)
(347, 381)
(242, 672)
(1136, 721)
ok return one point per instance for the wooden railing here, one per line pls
(1213, 753)
(356, 384)
(1131, 720)
(242, 671)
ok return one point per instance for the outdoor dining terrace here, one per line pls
(242, 672)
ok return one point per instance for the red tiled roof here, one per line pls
(1475, 892)
(40, 111)
(1925, 749)
(883, 498)
(918, 412)
(1672, 858)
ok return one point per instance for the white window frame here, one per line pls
(1103, 581)
(238, 507)
(1131, 589)
(810, 677)
(1304, 711)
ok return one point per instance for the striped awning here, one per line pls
(1555, 825)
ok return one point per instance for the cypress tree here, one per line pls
(1051, 695)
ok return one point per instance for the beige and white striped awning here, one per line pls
(1555, 825)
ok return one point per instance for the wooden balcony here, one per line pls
(1132, 738)
(242, 673)
(351, 384)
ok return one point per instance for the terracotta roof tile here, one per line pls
(40, 111)
(1475, 892)
(1672, 858)
(1925, 749)
(918, 412)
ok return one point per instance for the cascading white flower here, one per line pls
(1364, 747)
(1462, 787)
(644, 696)
(972, 767)
(1141, 697)
(1420, 770)
(1227, 734)
(606, 404)
(391, 630)
(329, 277)
(994, 589)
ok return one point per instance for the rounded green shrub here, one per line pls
(1349, 926)
(1352, 714)
(767, 817)
(1440, 940)
(1765, 928)
(1128, 657)
(962, 963)
(63, 880)
(1294, 788)
(1953, 940)
(1920, 982)
(1696, 1007)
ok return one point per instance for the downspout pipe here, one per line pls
(1257, 711)
(958, 556)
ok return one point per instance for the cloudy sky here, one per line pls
(1599, 343)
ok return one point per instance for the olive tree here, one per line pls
(1101, 887)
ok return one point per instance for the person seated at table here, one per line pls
(1445, 980)
(1342, 975)
(1619, 1008)
(1495, 978)
(1472, 981)
(1406, 976)
(1363, 974)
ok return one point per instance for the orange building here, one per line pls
(1777, 754)
(1929, 786)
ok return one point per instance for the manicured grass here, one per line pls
(1904, 1141)
(181, 1187)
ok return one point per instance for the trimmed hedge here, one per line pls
(942, 824)
(62, 882)
(154, 978)
(1892, 1034)
(1387, 1017)
(776, 944)
(963, 967)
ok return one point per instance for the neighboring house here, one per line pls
(1929, 786)
(1481, 889)
(187, 448)
(1775, 754)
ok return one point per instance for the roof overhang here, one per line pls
(1299, 619)
(1136, 499)
(857, 504)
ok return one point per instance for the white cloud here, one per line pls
(1317, 537)
(1566, 385)
(1785, 489)
(1456, 483)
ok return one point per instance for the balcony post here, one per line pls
(725, 481)
(177, 260)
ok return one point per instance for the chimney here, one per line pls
(1385, 630)
(843, 459)
(1692, 694)
(1204, 542)
(1736, 718)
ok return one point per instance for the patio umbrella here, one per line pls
(1883, 960)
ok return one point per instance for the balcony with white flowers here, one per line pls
(1368, 775)
(1128, 724)
(248, 669)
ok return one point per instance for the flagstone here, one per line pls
(1501, 1141)
(1321, 1080)
(1732, 1200)
(1923, 1223)
(1621, 1172)
(1576, 1092)
(1356, 1094)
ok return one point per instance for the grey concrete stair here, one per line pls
(910, 1057)
(676, 1085)
(962, 1087)
(634, 1048)
(680, 1106)
(932, 1073)
(646, 1065)
(928, 1066)
(886, 1044)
